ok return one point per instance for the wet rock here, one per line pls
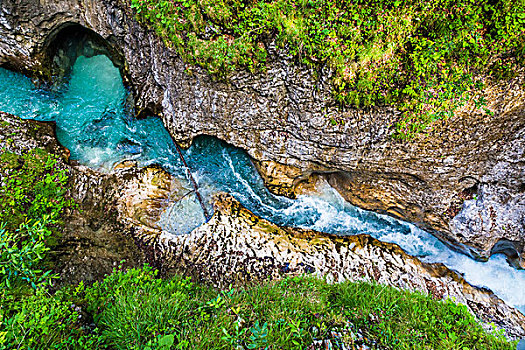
(125, 165)
(279, 179)
(145, 197)
(19, 136)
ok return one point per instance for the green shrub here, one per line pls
(427, 57)
(35, 188)
(21, 255)
(39, 320)
(31, 202)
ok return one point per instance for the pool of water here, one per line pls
(94, 121)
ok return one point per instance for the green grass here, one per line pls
(427, 57)
(136, 310)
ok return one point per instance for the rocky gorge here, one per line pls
(463, 181)
(280, 118)
(119, 210)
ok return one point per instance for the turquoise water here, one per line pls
(94, 121)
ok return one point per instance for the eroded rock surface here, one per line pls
(464, 182)
(143, 199)
(237, 247)
(279, 179)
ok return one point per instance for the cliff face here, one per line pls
(465, 181)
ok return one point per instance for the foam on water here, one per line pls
(94, 123)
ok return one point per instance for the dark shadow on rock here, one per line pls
(68, 42)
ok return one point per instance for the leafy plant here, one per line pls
(31, 203)
(43, 321)
(161, 343)
(259, 337)
(34, 187)
(21, 254)
(234, 338)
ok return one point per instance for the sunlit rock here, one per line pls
(235, 246)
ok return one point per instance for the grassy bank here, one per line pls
(426, 57)
(136, 310)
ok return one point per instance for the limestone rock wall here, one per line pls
(465, 181)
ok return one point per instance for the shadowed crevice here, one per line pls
(69, 41)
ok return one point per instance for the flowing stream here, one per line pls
(94, 121)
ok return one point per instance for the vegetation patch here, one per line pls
(32, 198)
(136, 310)
(426, 57)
